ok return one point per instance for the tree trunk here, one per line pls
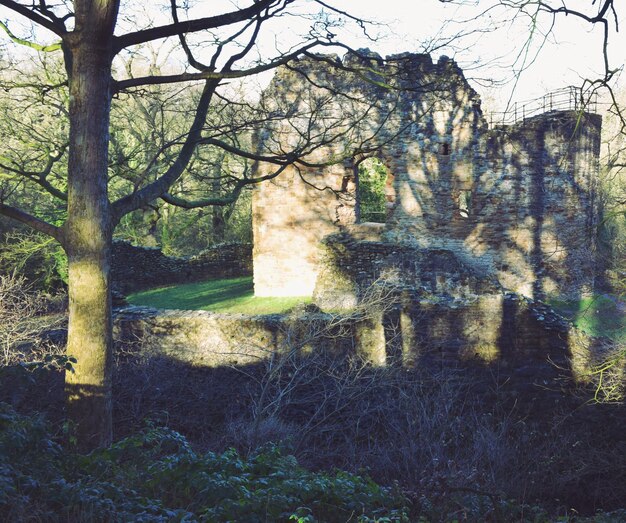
(219, 224)
(88, 242)
(218, 219)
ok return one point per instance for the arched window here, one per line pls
(373, 191)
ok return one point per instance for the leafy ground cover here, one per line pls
(156, 476)
(235, 295)
(599, 315)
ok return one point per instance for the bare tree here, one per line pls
(542, 18)
(89, 37)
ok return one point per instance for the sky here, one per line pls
(570, 53)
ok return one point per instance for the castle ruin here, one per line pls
(478, 225)
(514, 204)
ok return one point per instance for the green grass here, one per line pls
(234, 295)
(597, 315)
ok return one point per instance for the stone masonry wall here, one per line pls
(442, 309)
(544, 225)
(203, 338)
(521, 337)
(293, 212)
(137, 268)
(516, 202)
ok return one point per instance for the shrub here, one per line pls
(38, 258)
(156, 476)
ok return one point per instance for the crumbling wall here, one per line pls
(425, 107)
(203, 338)
(520, 337)
(541, 177)
(516, 202)
(136, 268)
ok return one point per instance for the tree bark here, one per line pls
(218, 219)
(88, 232)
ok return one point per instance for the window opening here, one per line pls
(372, 197)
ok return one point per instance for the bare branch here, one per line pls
(32, 221)
(210, 75)
(183, 42)
(37, 47)
(190, 26)
(222, 200)
(160, 186)
(56, 27)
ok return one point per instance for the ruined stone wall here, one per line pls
(290, 217)
(426, 107)
(354, 260)
(136, 268)
(516, 202)
(542, 175)
(517, 336)
(203, 338)
(530, 196)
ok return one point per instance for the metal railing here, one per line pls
(566, 99)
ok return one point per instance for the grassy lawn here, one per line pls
(234, 295)
(598, 315)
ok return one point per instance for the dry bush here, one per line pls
(608, 376)
(24, 321)
(32, 347)
(442, 432)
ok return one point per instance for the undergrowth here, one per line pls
(155, 476)
(458, 443)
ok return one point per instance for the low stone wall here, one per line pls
(137, 268)
(202, 338)
(519, 336)
(357, 258)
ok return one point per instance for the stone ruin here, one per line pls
(480, 223)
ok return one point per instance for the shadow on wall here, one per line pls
(335, 407)
(438, 301)
(483, 424)
(393, 323)
(515, 201)
(518, 202)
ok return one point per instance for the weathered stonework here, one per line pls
(515, 203)
(202, 338)
(481, 224)
(521, 337)
(137, 268)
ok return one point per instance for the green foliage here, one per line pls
(372, 183)
(145, 138)
(148, 125)
(39, 258)
(156, 476)
(184, 232)
(234, 295)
